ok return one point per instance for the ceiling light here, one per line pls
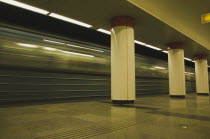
(187, 59)
(25, 6)
(159, 67)
(27, 45)
(76, 53)
(147, 45)
(165, 52)
(49, 48)
(69, 20)
(138, 42)
(153, 47)
(104, 31)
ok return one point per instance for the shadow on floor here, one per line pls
(131, 106)
(188, 116)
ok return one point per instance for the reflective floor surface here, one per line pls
(150, 117)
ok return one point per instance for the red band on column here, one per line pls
(201, 56)
(122, 21)
(175, 45)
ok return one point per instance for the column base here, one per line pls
(123, 101)
(177, 96)
(205, 94)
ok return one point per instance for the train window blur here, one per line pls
(39, 67)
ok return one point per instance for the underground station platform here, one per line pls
(104, 69)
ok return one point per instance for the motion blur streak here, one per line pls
(27, 45)
(47, 73)
(72, 45)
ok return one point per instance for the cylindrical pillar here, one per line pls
(176, 70)
(122, 60)
(201, 75)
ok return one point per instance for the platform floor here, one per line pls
(150, 117)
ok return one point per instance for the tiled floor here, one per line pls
(150, 117)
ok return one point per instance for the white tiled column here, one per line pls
(201, 75)
(176, 68)
(122, 60)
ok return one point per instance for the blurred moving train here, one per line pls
(37, 67)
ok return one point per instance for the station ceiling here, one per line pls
(156, 22)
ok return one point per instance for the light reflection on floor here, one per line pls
(149, 117)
